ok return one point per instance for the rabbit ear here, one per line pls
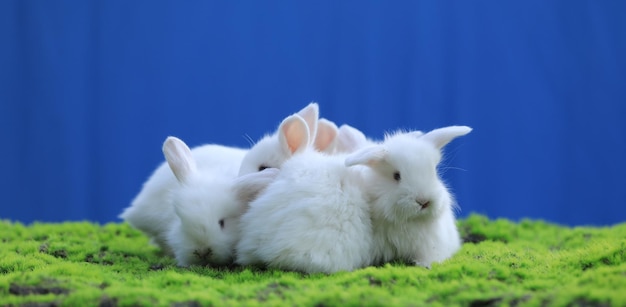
(310, 114)
(326, 137)
(179, 158)
(293, 134)
(247, 187)
(442, 136)
(416, 133)
(349, 138)
(370, 156)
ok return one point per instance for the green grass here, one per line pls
(527, 263)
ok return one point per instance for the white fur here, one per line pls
(312, 218)
(404, 228)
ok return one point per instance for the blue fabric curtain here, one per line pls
(90, 89)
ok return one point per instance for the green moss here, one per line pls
(508, 263)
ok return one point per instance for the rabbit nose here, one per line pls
(424, 203)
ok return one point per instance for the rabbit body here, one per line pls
(312, 218)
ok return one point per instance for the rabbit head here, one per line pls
(294, 134)
(405, 184)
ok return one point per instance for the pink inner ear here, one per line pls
(310, 114)
(296, 135)
(323, 141)
(326, 134)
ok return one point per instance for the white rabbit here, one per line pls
(151, 212)
(272, 150)
(411, 209)
(208, 205)
(312, 218)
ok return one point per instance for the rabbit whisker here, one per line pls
(249, 139)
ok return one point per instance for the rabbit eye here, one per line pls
(221, 223)
(262, 167)
(396, 176)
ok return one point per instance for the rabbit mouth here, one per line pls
(204, 256)
(422, 202)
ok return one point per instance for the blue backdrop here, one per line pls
(90, 89)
